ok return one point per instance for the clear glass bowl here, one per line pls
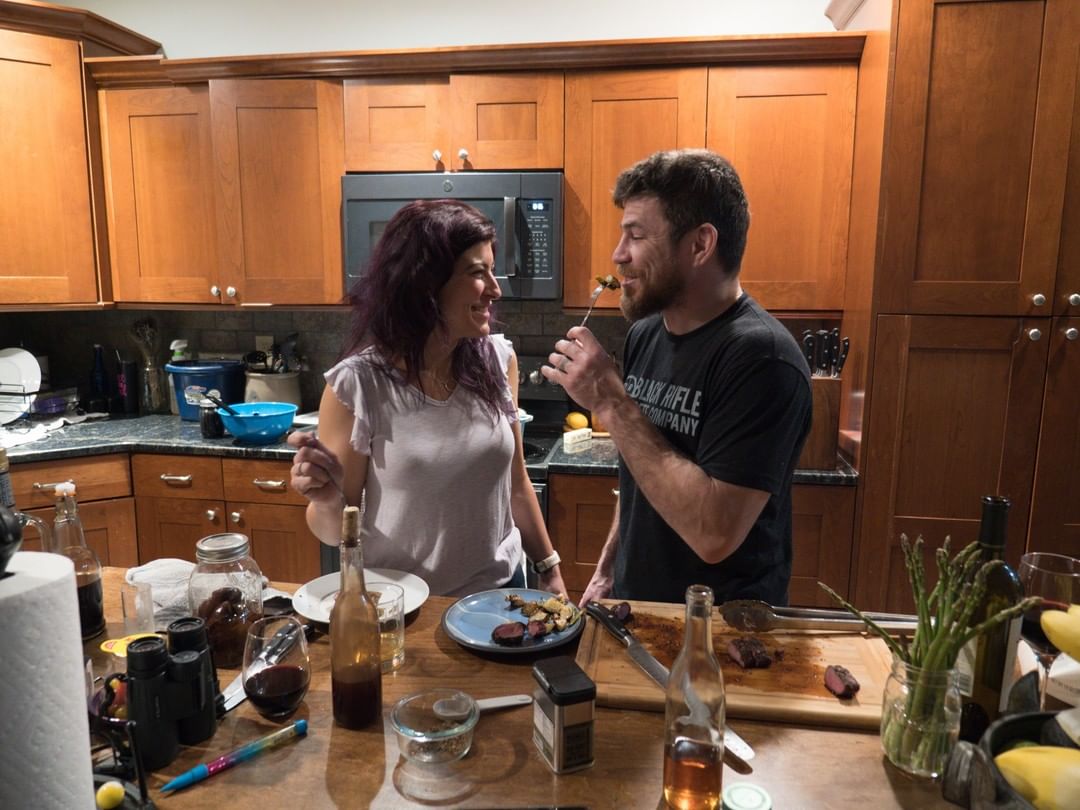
(423, 736)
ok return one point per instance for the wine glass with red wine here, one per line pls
(1055, 578)
(277, 670)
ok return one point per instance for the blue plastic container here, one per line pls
(258, 422)
(193, 379)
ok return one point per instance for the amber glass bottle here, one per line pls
(694, 714)
(355, 666)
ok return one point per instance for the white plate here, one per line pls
(20, 379)
(313, 600)
(309, 419)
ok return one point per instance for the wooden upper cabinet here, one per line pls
(1067, 289)
(789, 131)
(46, 233)
(278, 157)
(975, 155)
(504, 121)
(159, 189)
(613, 120)
(955, 416)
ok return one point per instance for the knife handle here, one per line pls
(610, 623)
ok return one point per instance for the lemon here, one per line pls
(110, 795)
(575, 420)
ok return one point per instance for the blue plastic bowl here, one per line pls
(258, 422)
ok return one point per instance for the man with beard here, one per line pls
(714, 405)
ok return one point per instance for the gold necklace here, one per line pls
(444, 384)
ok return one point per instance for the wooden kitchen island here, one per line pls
(800, 767)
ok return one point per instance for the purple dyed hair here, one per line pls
(395, 303)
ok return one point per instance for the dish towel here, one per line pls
(168, 579)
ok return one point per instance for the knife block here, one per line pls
(819, 452)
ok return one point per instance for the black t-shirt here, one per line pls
(733, 396)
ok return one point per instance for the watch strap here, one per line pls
(546, 564)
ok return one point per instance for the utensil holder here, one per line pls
(152, 393)
(819, 452)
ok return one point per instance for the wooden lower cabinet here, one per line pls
(581, 507)
(281, 542)
(109, 527)
(170, 527)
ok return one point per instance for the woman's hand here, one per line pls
(316, 472)
(551, 581)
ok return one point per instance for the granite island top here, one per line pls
(170, 435)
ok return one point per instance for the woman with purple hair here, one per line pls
(419, 420)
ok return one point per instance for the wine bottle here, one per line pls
(986, 663)
(694, 713)
(70, 540)
(355, 664)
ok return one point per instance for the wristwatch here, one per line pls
(546, 564)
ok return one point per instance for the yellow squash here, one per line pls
(1048, 776)
(1063, 629)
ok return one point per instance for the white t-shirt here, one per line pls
(437, 493)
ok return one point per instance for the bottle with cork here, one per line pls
(355, 662)
(70, 540)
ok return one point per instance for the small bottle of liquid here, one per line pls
(694, 714)
(99, 384)
(69, 540)
(355, 663)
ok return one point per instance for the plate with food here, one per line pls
(513, 620)
(314, 600)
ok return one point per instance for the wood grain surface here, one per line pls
(792, 689)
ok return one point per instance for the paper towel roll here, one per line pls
(45, 756)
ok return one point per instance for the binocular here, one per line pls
(172, 693)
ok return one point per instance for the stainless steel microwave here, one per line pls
(526, 208)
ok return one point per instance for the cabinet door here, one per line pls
(1055, 508)
(955, 416)
(46, 237)
(281, 542)
(613, 120)
(508, 121)
(159, 189)
(790, 131)
(397, 124)
(1067, 288)
(975, 160)
(279, 156)
(822, 520)
(580, 511)
(109, 527)
(170, 527)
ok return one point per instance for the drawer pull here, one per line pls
(269, 485)
(236, 517)
(211, 515)
(615, 492)
(176, 480)
(38, 486)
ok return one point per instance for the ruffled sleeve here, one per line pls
(350, 380)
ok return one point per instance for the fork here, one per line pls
(595, 294)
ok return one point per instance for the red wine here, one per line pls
(91, 607)
(357, 696)
(277, 691)
(1031, 628)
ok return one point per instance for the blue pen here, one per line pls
(235, 757)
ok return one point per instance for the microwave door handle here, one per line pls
(509, 236)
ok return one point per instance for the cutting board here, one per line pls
(791, 690)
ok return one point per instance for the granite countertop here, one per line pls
(171, 435)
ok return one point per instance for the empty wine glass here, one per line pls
(1055, 578)
(277, 670)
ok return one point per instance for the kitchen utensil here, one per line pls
(737, 751)
(313, 600)
(453, 708)
(227, 408)
(754, 616)
(595, 295)
(470, 620)
(425, 737)
(845, 344)
(809, 348)
(821, 351)
(259, 422)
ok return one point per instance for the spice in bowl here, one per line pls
(428, 737)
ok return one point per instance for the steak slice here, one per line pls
(508, 633)
(748, 652)
(840, 681)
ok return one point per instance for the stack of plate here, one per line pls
(20, 380)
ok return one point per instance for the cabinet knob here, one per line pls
(1038, 299)
(615, 492)
(463, 153)
(231, 292)
(536, 378)
(236, 517)
(1072, 333)
(1034, 334)
(436, 156)
(215, 291)
(211, 515)
(1074, 300)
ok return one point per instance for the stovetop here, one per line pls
(537, 449)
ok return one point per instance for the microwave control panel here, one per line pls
(539, 218)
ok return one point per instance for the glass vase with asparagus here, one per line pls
(917, 731)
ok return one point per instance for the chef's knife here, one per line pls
(845, 344)
(279, 645)
(809, 350)
(821, 351)
(736, 749)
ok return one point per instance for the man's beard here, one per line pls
(655, 296)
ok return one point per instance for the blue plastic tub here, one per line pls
(193, 379)
(258, 422)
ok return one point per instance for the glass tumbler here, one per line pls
(390, 602)
(277, 669)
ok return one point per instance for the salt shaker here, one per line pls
(563, 711)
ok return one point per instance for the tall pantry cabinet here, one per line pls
(976, 357)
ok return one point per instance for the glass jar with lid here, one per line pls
(225, 591)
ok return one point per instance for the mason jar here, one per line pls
(225, 591)
(920, 718)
